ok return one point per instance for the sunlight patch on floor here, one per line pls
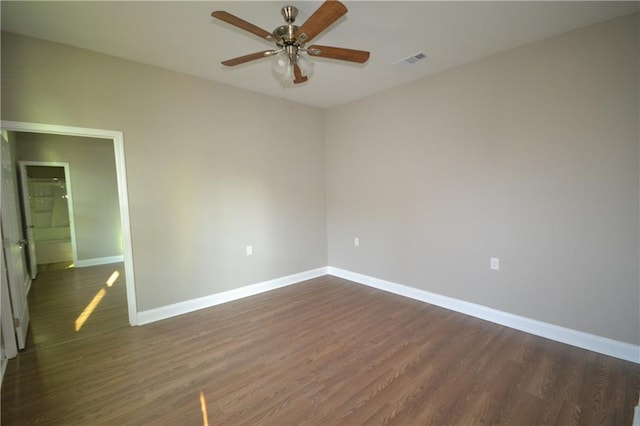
(56, 266)
(203, 407)
(113, 278)
(86, 313)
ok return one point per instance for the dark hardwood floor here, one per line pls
(59, 295)
(321, 352)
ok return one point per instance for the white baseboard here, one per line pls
(98, 261)
(569, 336)
(164, 312)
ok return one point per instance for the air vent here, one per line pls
(413, 59)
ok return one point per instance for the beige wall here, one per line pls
(530, 156)
(210, 168)
(93, 181)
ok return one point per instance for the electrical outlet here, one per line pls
(249, 250)
(494, 263)
(356, 241)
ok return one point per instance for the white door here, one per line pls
(9, 345)
(14, 246)
(59, 222)
(29, 231)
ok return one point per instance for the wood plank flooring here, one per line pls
(321, 352)
(59, 295)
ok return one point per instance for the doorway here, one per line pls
(118, 149)
(48, 212)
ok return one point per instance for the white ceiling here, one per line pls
(182, 36)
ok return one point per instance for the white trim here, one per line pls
(123, 198)
(98, 261)
(6, 313)
(569, 336)
(164, 312)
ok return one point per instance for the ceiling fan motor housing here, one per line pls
(285, 35)
(289, 13)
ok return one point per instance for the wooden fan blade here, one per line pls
(246, 58)
(351, 55)
(325, 15)
(299, 78)
(242, 24)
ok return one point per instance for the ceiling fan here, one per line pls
(291, 39)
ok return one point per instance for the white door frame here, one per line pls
(10, 346)
(27, 209)
(121, 176)
(19, 279)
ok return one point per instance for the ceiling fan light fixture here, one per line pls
(281, 63)
(289, 74)
(284, 64)
(306, 66)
